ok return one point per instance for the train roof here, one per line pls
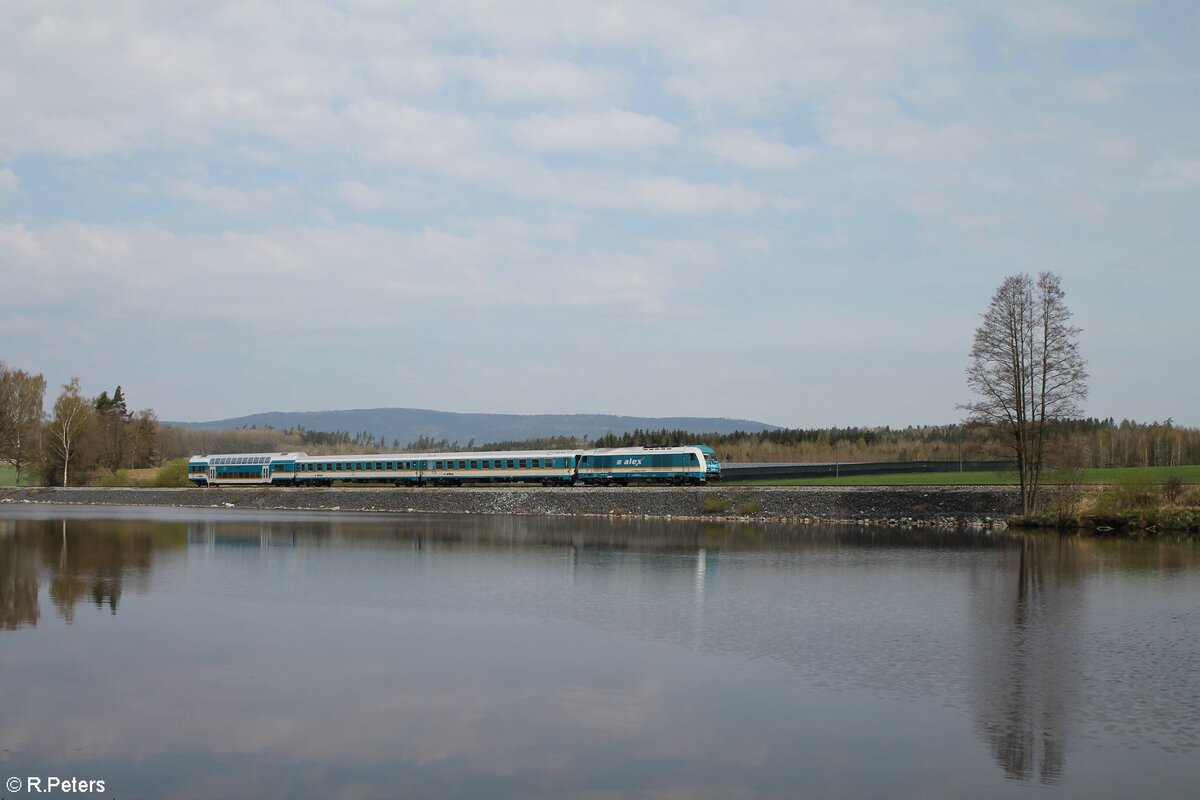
(454, 454)
(268, 456)
(628, 451)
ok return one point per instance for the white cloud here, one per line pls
(749, 148)
(878, 127)
(426, 141)
(1088, 19)
(1114, 147)
(145, 273)
(1175, 173)
(506, 80)
(674, 196)
(655, 194)
(242, 203)
(607, 130)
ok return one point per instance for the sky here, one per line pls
(784, 211)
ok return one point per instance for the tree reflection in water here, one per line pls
(1025, 636)
(79, 560)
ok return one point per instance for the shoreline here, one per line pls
(939, 506)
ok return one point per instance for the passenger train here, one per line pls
(605, 467)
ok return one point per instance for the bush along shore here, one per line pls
(890, 505)
(1129, 508)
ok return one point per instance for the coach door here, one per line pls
(212, 473)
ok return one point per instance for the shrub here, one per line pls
(1128, 494)
(713, 504)
(115, 479)
(749, 507)
(1172, 489)
(172, 473)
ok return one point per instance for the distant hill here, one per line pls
(409, 424)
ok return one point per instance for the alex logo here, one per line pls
(630, 462)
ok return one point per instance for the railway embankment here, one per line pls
(919, 505)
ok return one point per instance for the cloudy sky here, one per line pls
(787, 211)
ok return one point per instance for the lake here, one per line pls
(233, 654)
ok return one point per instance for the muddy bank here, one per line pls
(931, 505)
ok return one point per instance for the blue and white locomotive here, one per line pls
(606, 467)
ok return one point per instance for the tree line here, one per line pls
(79, 438)
(1085, 442)
(1078, 443)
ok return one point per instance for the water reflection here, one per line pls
(80, 561)
(1025, 632)
(453, 656)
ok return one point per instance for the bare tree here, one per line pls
(1025, 365)
(21, 396)
(72, 415)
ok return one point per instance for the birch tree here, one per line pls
(21, 415)
(1026, 368)
(72, 415)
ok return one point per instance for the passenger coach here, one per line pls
(548, 467)
(691, 464)
(243, 468)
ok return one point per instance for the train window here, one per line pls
(510, 463)
(521, 463)
(474, 465)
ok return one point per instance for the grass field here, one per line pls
(1188, 474)
(8, 476)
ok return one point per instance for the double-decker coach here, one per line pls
(248, 469)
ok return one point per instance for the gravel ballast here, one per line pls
(929, 505)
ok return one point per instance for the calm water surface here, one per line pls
(228, 654)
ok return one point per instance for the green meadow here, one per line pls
(1149, 475)
(8, 476)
